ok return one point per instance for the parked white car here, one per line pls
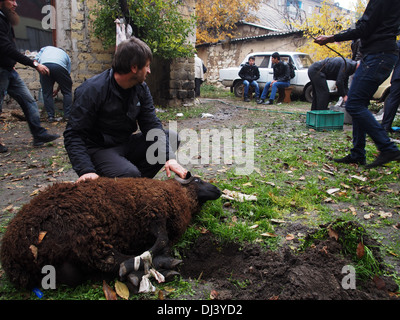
(301, 84)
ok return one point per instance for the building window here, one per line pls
(30, 33)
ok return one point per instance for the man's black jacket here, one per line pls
(102, 117)
(281, 72)
(249, 73)
(377, 28)
(337, 69)
(9, 54)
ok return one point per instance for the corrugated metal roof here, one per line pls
(269, 35)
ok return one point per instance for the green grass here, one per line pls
(293, 175)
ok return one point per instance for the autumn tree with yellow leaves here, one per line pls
(330, 20)
(216, 19)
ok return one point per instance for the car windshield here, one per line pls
(303, 61)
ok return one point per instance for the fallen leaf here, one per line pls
(277, 221)
(333, 190)
(34, 251)
(359, 178)
(385, 215)
(333, 234)
(353, 210)
(360, 250)
(328, 172)
(380, 284)
(122, 290)
(214, 294)
(368, 216)
(268, 234)
(108, 292)
(289, 237)
(9, 208)
(42, 234)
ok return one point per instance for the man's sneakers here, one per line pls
(39, 141)
(348, 159)
(381, 159)
(3, 148)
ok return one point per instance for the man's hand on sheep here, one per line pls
(88, 176)
(174, 166)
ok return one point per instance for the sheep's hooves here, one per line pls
(169, 275)
(127, 266)
(134, 282)
(165, 262)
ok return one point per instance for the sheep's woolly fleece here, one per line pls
(87, 223)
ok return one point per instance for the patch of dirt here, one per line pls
(251, 273)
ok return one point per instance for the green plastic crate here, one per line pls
(321, 120)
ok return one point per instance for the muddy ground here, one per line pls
(227, 270)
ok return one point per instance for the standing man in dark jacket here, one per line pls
(392, 102)
(105, 114)
(250, 74)
(281, 79)
(330, 69)
(377, 29)
(10, 81)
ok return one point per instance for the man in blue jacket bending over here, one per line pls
(101, 136)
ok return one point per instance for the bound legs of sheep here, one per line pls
(138, 269)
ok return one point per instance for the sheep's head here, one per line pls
(205, 191)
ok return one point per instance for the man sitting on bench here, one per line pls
(281, 79)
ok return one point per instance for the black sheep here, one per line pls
(99, 225)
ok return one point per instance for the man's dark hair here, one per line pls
(276, 55)
(129, 53)
(252, 58)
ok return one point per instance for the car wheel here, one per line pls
(238, 89)
(308, 93)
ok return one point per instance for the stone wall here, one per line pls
(230, 54)
(88, 56)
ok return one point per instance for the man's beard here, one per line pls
(12, 16)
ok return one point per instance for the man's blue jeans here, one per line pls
(61, 76)
(392, 102)
(274, 89)
(253, 84)
(11, 82)
(373, 70)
